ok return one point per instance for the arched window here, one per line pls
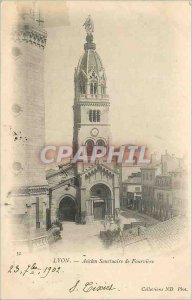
(89, 145)
(95, 88)
(98, 115)
(94, 115)
(82, 88)
(101, 142)
(102, 89)
(91, 88)
(90, 115)
(167, 197)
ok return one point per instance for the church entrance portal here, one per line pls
(67, 209)
(102, 203)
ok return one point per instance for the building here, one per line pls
(86, 192)
(29, 197)
(131, 196)
(169, 195)
(157, 185)
(148, 176)
(126, 170)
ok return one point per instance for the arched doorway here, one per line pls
(67, 209)
(102, 201)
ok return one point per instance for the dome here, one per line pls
(90, 61)
(90, 75)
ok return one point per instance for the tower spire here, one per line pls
(89, 28)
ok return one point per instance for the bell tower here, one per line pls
(29, 191)
(91, 102)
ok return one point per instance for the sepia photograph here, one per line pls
(96, 150)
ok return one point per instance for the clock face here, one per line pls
(94, 132)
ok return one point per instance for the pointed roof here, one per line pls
(90, 63)
(99, 166)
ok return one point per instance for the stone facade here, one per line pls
(91, 103)
(87, 191)
(163, 191)
(169, 195)
(29, 195)
(131, 191)
(148, 175)
(96, 184)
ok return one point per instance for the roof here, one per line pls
(163, 175)
(166, 235)
(101, 166)
(62, 169)
(90, 65)
(90, 60)
(178, 170)
(88, 170)
(153, 165)
(162, 237)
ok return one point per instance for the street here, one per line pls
(86, 238)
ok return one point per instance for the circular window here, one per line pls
(94, 132)
(17, 166)
(16, 51)
(16, 108)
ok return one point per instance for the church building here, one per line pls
(86, 192)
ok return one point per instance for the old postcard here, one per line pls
(95, 198)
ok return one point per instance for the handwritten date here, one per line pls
(33, 269)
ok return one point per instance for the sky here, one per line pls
(145, 50)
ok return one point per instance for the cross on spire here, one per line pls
(39, 20)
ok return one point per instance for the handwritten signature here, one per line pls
(34, 270)
(91, 286)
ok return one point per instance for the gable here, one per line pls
(100, 167)
(61, 176)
